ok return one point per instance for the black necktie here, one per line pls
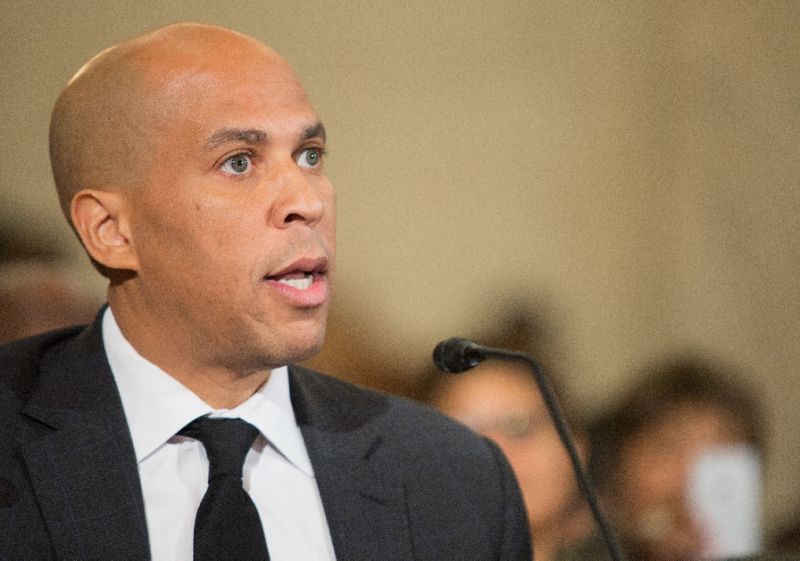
(227, 526)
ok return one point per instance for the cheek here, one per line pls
(222, 229)
(555, 469)
(197, 243)
(328, 225)
(649, 478)
(543, 465)
(545, 476)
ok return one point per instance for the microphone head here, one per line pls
(456, 355)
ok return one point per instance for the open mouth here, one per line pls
(303, 274)
(300, 280)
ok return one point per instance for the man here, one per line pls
(189, 162)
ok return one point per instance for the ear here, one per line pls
(102, 222)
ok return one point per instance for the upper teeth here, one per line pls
(300, 284)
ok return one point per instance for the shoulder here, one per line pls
(411, 431)
(348, 406)
(20, 362)
(452, 480)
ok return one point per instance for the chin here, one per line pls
(305, 353)
(302, 346)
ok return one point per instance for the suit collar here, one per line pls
(83, 470)
(365, 507)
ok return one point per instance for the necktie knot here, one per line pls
(226, 441)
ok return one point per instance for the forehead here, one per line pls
(690, 424)
(243, 86)
(262, 86)
(492, 388)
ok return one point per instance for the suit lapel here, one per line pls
(83, 469)
(365, 509)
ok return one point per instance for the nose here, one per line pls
(300, 197)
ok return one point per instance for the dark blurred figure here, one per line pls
(37, 296)
(647, 452)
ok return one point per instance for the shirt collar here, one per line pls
(157, 406)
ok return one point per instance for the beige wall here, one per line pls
(634, 165)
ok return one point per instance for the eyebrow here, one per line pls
(223, 136)
(257, 136)
(315, 130)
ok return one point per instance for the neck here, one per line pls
(219, 385)
(565, 529)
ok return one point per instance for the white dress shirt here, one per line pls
(174, 469)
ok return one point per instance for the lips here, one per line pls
(302, 268)
(304, 282)
(299, 280)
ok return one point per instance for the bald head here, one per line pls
(190, 163)
(105, 124)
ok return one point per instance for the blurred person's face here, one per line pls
(504, 404)
(652, 485)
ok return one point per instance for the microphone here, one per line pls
(456, 355)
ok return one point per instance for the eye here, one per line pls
(236, 165)
(310, 158)
(514, 425)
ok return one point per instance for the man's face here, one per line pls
(234, 231)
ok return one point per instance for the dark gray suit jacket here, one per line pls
(398, 481)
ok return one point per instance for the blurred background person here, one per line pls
(502, 401)
(37, 295)
(649, 451)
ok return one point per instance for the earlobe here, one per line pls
(102, 223)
